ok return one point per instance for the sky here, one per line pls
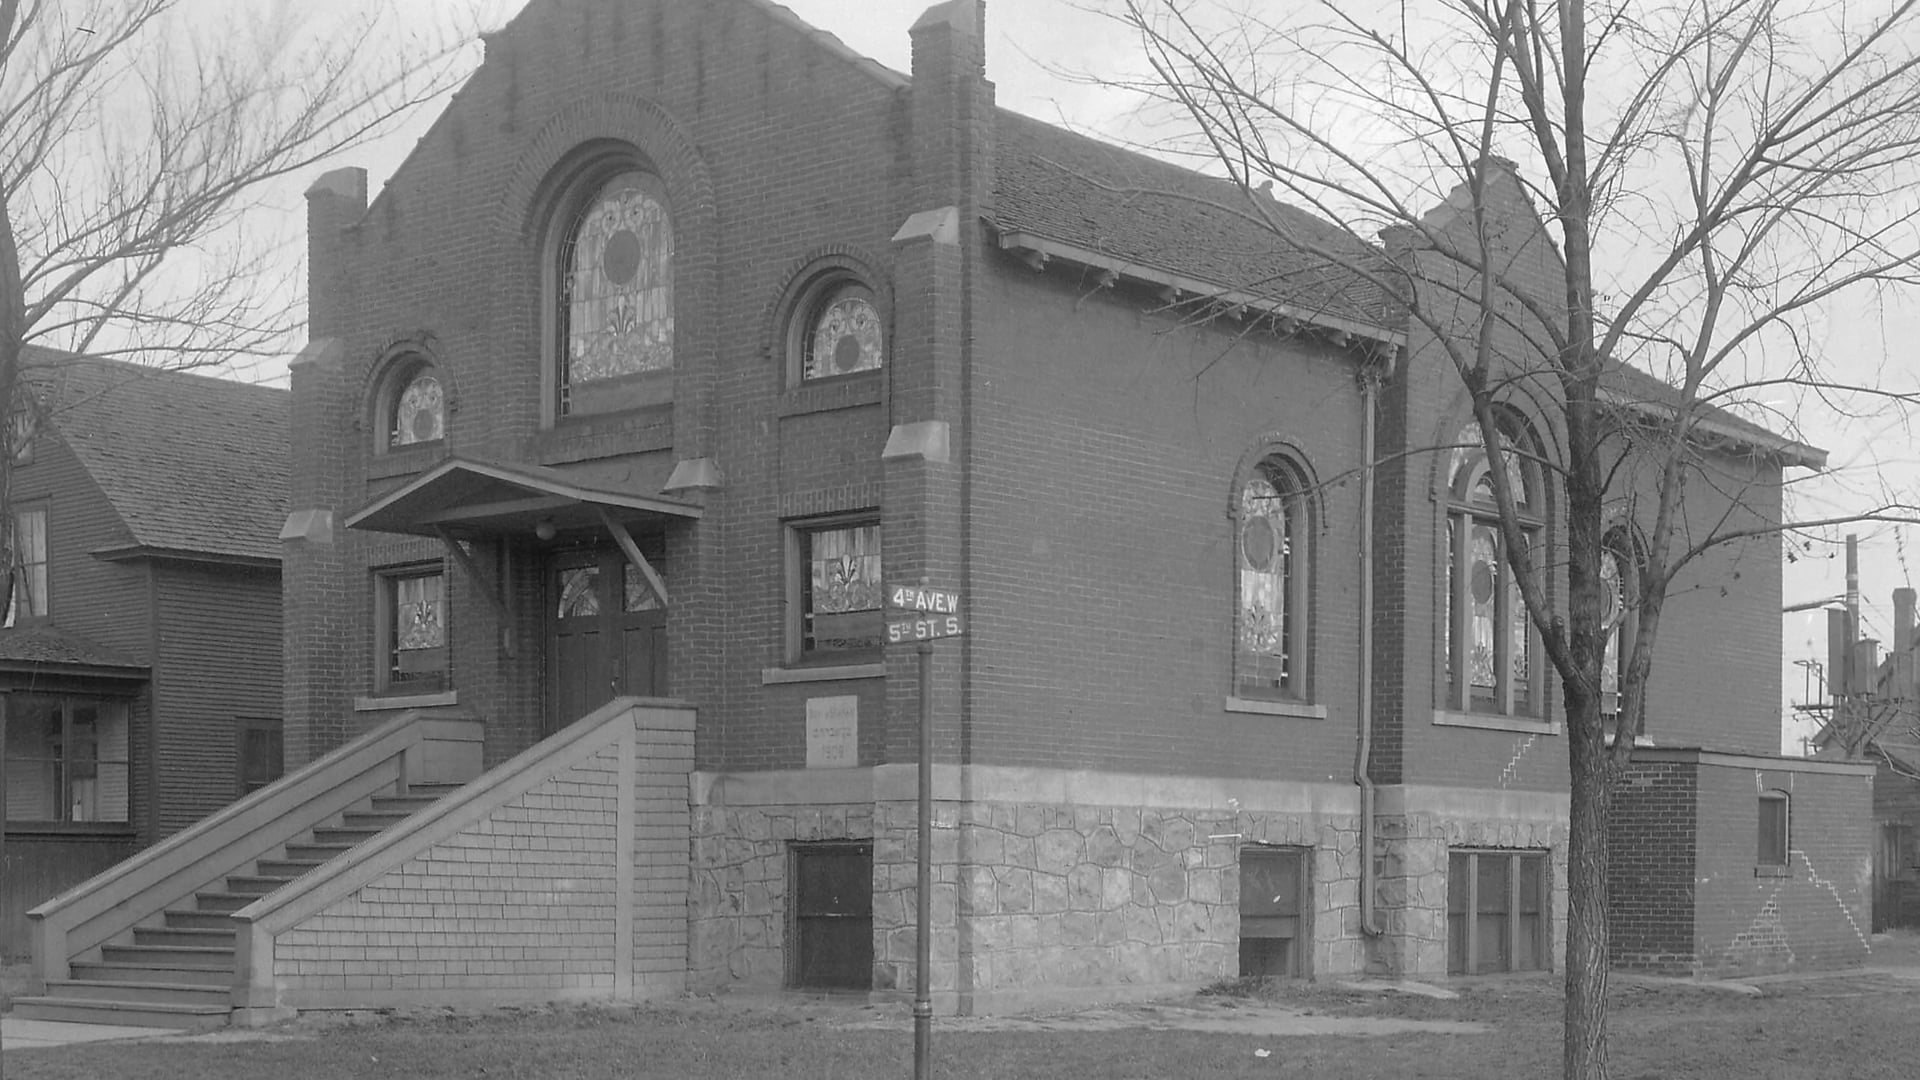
(1039, 56)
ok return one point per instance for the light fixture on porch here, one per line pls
(543, 529)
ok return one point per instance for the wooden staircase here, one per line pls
(178, 971)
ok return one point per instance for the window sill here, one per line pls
(844, 392)
(1299, 710)
(104, 830)
(378, 703)
(1773, 871)
(395, 462)
(776, 675)
(598, 435)
(1495, 722)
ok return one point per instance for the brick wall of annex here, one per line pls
(523, 902)
(1814, 915)
(1652, 849)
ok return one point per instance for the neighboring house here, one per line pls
(686, 336)
(141, 667)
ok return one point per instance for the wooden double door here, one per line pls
(606, 631)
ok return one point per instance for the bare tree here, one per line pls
(139, 134)
(1717, 176)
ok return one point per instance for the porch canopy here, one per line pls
(466, 499)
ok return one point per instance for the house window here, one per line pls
(831, 939)
(259, 752)
(615, 297)
(66, 760)
(840, 591)
(29, 546)
(20, 431)
(416, 411)
(1273, 892)
(412, 619)
(1488, 640)
(1773, 829)
(1497, 911)
(839, 331)
(1271, 561)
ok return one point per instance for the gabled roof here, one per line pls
(193, 465)
(1084, 194)
(473, 498)
(1638, 390)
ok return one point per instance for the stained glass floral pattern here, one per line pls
(419, 627)
(419, 412)
(639, 595)
(1266, 572)
(579, 595)
(845, 338)
(1613, 592)
(842, 609)
(619, 278)
(1488, 637)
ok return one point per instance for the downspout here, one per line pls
(1377, 370)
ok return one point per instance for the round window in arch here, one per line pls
(843, 334)
(419, 410)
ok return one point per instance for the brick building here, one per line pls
(685, 331)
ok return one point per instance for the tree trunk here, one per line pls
(1587, 936)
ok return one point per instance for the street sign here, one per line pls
(905, 631)
(921, 598)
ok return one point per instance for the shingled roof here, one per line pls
(192, 464)
(1078, 191)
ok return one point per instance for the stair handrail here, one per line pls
(94, 911)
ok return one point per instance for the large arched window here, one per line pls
(409, 403)
(1270, 624)
(1620, 593)
(614, 309)
(1489, 643)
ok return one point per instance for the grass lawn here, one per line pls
(1856, 1026)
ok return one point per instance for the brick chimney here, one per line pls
(336, 202)
(952, 109)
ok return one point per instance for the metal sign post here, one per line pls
(933, 614)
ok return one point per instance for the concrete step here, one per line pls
(286, 869)
(254, 884)
(334, 834)
(373, 819)
(123, 1013)
(182, 956)
(315, 853)
(209, 937)
(97, 971)
(150, 993)
(214, 900)
(403, 804)
(183, 919)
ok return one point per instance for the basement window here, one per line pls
(1498, 904)
(1273, 906)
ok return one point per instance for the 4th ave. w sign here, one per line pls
(935, 613)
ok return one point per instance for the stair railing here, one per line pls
(414, 747)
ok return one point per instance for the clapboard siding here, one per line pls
(104, 602)
(219, 659)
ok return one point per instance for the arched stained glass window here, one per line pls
(1487, 639)
(419, 410)
(616, 267)
(1269, 630)
(843, 334)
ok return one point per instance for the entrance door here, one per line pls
(607, 632)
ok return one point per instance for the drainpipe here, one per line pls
(1377, 371)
